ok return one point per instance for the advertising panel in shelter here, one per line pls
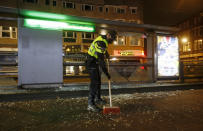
(168, 56)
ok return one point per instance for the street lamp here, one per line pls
(103, 32)
(184, 40)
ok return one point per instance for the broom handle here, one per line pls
(110, 93)
(109, 86)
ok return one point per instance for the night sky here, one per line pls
(170, 12)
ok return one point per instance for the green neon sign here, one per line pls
(52, 16)
(57, 25)
(44, 15)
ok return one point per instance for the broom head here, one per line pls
(111, 110)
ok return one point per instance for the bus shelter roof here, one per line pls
(101, 23)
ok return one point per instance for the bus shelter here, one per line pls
(41, 57)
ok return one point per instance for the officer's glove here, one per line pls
(107, 56)
(108, 76)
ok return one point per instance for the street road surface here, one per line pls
(150, 111)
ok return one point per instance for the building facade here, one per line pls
(191, 37)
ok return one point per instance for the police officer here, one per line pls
(96, 61)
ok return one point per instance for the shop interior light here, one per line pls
(56, 25)
(114, 59)
(68, 50)
(184, 40)
(143, 53)
(115, 42)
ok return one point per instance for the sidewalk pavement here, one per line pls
(13, 93)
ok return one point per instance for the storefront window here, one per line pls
(14, 32)
(120, 40)
(200, 44)
(54, 3)
(82, 70)
(69, 5)
(75, 70)
(8, 32)
(100, 9)
(133, 10)
(186, 47)
(195, 45)
(107, 9)
(69, 36)
(120, 10)
(134, 41)
(87, 7)
(189, 46)
(69, 70)
(87, 37)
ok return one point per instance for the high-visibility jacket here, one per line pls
(96, 54)
(96, 47)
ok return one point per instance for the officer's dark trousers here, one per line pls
(95, 85)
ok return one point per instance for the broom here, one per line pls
(111, 109)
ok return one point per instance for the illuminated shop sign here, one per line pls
(128, 53)
(56, 25)
(51, 16)
(53, 21)
(168, 56)
(43, 15)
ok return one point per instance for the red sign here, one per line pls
(128, 53)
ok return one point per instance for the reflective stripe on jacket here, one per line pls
(95, 48)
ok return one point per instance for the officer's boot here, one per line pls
(91, 105)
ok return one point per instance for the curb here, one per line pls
(57, 93)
